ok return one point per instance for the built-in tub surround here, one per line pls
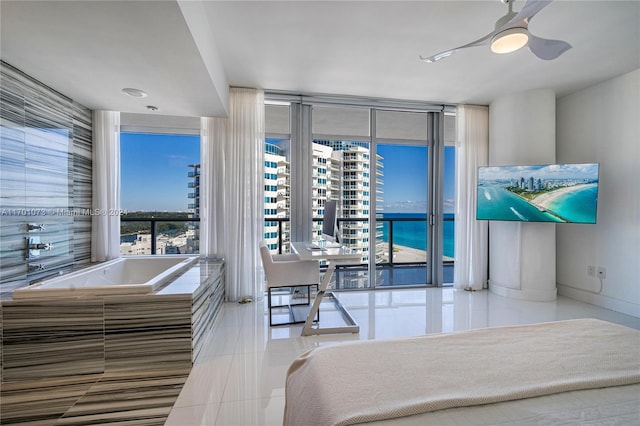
(151, 335)
(45, 179)
(124, 276)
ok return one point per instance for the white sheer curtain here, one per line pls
(232, 204)
(471, 236)
(105, 223)
(213, 133)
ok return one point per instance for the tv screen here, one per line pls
(564, 193)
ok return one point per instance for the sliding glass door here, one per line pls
(404, 207)
(391, 175)
(403, 214)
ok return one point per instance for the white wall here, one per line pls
(522, 258)
(602, 124)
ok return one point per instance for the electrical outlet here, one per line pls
(602, 272)
(591, 270)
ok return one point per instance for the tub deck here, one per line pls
(111, 333)
(128, 275)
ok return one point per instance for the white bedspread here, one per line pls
(375, 380)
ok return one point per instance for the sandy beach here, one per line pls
(544, 200)
(407, 254)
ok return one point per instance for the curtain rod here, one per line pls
(359, 101)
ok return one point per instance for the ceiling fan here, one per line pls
(511, 33)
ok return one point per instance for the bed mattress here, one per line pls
(507, 367)
(619, 405)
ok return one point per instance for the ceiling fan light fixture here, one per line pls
(509, 40)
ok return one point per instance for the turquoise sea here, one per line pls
(578, 206)
(497, 203)
(413, 233)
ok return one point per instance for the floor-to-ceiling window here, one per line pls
(391, 174)
(160, 193)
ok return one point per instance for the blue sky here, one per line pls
(548, 171)
(405, 177)
(154, 172)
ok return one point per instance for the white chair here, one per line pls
(288, 271)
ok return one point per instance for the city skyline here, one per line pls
(545, 172)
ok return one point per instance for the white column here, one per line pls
(522, 256)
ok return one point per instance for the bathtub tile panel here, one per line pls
(45, 167)
(1, 375)
(45, 108)
(82, 156)
(207, 300)
(82, 183)
(52, 338)
(81, 240)
(150, 329)
(147, 332)
(48, 169)
(142, 398)
(41, 402)
(11, 97)
(12, 168)
(12, 248)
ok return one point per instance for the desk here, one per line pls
(333, 256)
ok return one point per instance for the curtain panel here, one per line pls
(471, 236)
(105, 222)
(232, 202)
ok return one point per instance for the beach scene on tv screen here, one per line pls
(565, 193)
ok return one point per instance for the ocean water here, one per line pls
(414, 233)
(496, 203)
(579, 206)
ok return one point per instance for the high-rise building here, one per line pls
(194, 207)
(341, 171)
(192, 239)
(277, 191)
(350, 183)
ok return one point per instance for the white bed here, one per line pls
(560, 373)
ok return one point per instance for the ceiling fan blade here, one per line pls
(528, 11)
(547, 49)
(480, 42)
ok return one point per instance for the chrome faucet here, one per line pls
(34, 246)
(40, 246)
(35, 227)
(36, 267)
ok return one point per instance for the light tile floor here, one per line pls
(239, 378)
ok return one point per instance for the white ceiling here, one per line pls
(186, 53)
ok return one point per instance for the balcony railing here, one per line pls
(192, 241)
(357, 224)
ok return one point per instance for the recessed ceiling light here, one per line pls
(134, 93)
(152, 108)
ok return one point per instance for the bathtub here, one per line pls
(124, 276)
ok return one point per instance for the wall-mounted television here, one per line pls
(562, 193)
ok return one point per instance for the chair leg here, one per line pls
(270, 305)
(270, 309)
